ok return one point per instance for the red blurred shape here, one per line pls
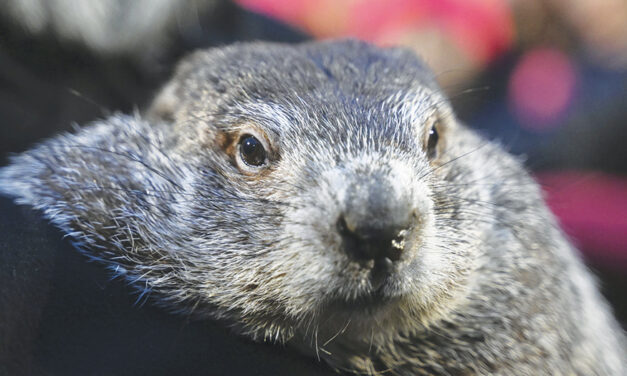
(592, 208)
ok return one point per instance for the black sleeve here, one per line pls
(63, 315)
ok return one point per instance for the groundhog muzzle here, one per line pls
(325, 196)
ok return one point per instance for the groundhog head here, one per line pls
(291, 190)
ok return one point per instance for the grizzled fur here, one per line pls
(486, 283)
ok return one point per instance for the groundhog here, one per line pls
(325, 196)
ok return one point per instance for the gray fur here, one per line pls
(487, 283)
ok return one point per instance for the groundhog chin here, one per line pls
(408, 294)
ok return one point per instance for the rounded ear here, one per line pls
(171, 97)
(165, 104)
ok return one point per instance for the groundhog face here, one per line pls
(334, 169)
(292, 190)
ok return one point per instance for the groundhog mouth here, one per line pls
(381, 287)
(381, 272)
(364, 303)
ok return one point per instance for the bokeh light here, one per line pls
(542, 87)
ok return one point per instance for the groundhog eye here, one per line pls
(252, 151)
(432, 141)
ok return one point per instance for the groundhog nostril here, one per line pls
(364, 241)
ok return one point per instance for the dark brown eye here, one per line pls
(252, 151)
(432, 141)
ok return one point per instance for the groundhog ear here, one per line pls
(165, 104)
(170, 98)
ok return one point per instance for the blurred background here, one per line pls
(547, 78)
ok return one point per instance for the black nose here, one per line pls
(377, 215)
(368, 241)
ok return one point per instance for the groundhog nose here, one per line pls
(368, 241)
(376, 217)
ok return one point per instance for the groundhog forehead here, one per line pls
(312, 79)
(275, 71)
